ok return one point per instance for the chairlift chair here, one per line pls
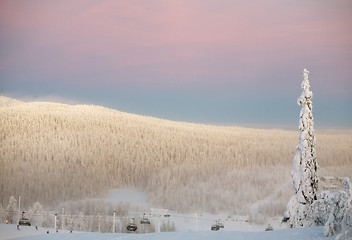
(24, 222)
(167, 214)
(145, 220)
(215, 227)
(220, 225)
(132, 227)
(269, 228)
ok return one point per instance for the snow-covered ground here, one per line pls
(191, 226)
(192, 222)
(134, 197)
(9, 231)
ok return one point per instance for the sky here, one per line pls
(228, 62)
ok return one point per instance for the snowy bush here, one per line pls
(297, 213)
(347, 221)
(339, 210)
(333, 210)
(319, 209)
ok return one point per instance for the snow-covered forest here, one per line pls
(51, 152)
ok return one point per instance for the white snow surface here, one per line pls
(9, 231)
(133, 196)
(188, 226)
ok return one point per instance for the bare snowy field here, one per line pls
(191, 222)
(9, 231)
(134, 197)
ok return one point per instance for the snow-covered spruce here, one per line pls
(334, 211)
(304, 164)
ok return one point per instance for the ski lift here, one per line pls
(220, 225)
(269, 228)
(145, 220)
(215, 227)
(24, 221)
(132, 227)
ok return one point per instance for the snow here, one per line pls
(192, 222)
(134, 197)
(9, 231)
(191, 226)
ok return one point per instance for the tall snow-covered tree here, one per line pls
(304, 164)
(305, 208)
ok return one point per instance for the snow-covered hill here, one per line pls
(56, 152)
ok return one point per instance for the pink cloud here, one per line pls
(190, 37)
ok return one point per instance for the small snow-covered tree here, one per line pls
(304, 164)
(11, 210)
(36, 214)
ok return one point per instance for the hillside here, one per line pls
(51, 152)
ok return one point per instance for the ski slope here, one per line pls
(9, 231)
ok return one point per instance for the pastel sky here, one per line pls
(228, 62)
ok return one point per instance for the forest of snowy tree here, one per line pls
(51, 152)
